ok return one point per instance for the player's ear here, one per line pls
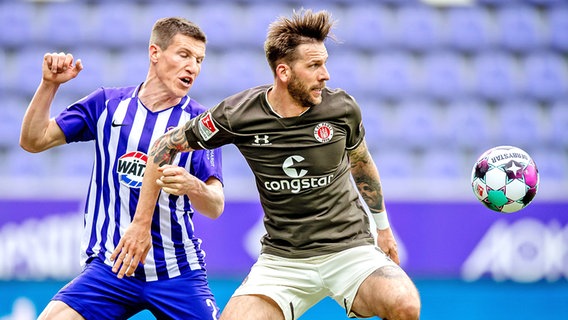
(283, 72)
(154, 52)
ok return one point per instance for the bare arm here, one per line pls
(39, 132)
(206, 197)
(366, 176)
(136, 241)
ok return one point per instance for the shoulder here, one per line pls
(339, 100)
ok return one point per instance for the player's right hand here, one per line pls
(60, 67)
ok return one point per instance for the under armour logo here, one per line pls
(261, 139)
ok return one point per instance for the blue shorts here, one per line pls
(98, 294)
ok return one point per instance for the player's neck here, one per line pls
(283, 104)
(156, 100)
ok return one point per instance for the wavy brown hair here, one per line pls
(286, 34)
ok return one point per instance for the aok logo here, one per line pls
(297, 183)
(131, 167)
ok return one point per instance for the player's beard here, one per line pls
(301, 93)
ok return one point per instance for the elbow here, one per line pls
(218, 211)
(30, 147)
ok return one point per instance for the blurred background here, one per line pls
(438, 81)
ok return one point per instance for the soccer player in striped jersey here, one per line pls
(304, 143)
(123, 123)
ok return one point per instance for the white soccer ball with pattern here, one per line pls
(505, 179)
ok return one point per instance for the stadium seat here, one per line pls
(495, 76)
(419, 27)
(74, 160)
(64, 25)
(11, 113)
(367, 27)
(558, 120)
(96, 68)
(256, 18)
(421, 123)
(495, 3)
(26, 64)
(243, 69)
(444, 75)
(394, 75)
(20, 19)
(558, 24)
(348, 70)
(442, 163)
(545, 3)
(469, 29)
(520, 123)
(395, 163)
(519, 28)
(552, 164)
(222, 25)
(131, 66)
(545, 76)
(116, 24)
(470, 123)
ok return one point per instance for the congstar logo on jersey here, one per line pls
(292, 167)
(131, 167)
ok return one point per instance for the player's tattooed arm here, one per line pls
(366, 177)
(167, 147)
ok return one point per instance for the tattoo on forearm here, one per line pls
(167, 147)
(366, 177)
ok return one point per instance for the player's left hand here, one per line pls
(387, 243)
(176, 180)
(131, 250)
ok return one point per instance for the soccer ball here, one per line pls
(505, 179)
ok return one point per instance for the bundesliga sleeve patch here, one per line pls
(207, 128)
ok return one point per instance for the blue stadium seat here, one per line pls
(74, 160)
(419, 27)
(348, 70)
(557, 25)
(117, 24)
(20, 19)
(11, 113)
(394, 75)
(519, 123)
(132, 66)
(366, 27)
(255, 21)
(552, 164)
(495, 75)
(27, 64)
(497, 3)
(96, 67)
(421, 123)
(471, 124)
(395, 163)
(444, 75)
(519, 28)
(545, 3)
(442, 164)
(242, 69)
(380, 131)
(63, 24)
(469, 29)
(222, 25)
(558, 120)
(546, 76)
(154, 10)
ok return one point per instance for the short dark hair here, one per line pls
(286, 34)
(166, 28)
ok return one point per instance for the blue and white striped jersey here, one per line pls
(123, 130)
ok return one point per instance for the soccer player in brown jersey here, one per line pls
(303, 143)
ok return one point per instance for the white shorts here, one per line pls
(298, 284)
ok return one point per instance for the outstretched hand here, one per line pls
(387, 243)
(131, 250)
(60, 67)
